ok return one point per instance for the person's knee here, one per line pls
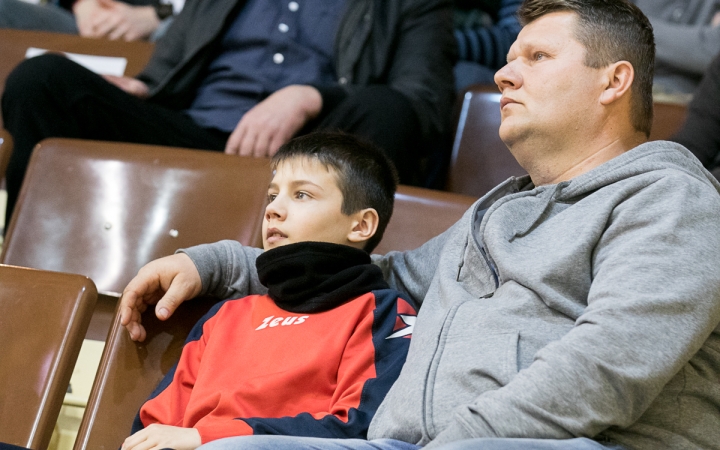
(33, 80)
(34, 73)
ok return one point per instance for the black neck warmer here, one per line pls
(310, 277)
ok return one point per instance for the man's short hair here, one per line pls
(610, 31)
(365, 175)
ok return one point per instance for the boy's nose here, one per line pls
(274, 210)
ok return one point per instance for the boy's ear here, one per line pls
(364, 226)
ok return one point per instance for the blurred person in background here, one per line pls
(484, 30)
(687, 38)
(129, 20)
(244, 77)
(701, 131)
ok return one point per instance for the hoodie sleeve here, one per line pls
(654, 301)
(227, 269)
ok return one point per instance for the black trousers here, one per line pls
(51, 96)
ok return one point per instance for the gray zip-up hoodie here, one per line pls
(587, 308)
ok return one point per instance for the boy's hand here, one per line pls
(167, 281)
(163, 436)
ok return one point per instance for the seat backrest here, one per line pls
(129, 372)
(6, 145)
(667, 120)
(106, 209)
(479, 160)
(14, 45)
(419, 215)
(43, 318)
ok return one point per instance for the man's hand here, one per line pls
(156, 437)
(132, 86)
(115, 20)
(274, 121)
(167, 281)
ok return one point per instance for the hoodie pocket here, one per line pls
(472, 362)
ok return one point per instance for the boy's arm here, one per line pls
(225, 269)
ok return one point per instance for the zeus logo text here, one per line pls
(273, 321)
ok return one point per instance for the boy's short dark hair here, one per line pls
(610, 31)
(366, 176)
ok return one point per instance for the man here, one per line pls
(129, 20)
(244, 76)
(577, 308)
(687, 35)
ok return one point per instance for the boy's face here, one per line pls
(304, 203)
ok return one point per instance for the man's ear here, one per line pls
(364, 226)
(618, 79)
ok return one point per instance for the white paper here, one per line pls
(101, 65)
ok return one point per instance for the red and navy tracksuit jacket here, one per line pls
(250, 367)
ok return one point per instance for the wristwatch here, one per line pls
(163, 10)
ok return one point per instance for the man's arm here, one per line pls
(274, 121)
(422, 63)
(654, 301)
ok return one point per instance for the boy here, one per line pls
(318, 353)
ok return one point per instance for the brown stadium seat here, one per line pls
(667, 120)
(6, 146)
(43, 318)
(479, 160)
(419, 215)
(129, 372)
(106, 209)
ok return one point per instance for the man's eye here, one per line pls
(539, 56)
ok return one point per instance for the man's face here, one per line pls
(547, 90)
(304, 203)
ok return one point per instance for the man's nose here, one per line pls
(507, 76)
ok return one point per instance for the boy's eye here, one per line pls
(301, 195)
(271, 197)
